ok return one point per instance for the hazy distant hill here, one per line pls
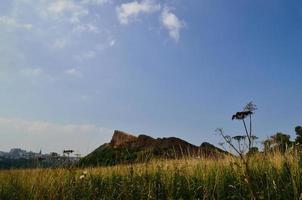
(126, 148)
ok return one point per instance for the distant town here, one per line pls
(17, 153)
(19, 158)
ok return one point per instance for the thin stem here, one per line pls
(239, 148)
(230, 143)
(251, 128)
(247, 133)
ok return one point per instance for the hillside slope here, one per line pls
(127, 148)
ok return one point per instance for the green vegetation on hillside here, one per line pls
(106, 155)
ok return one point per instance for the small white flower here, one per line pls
(82, 177)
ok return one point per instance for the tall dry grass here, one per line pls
(273, 176)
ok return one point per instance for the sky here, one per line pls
(72, 71)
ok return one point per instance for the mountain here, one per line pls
(127, 148)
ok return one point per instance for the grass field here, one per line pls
(273, 176)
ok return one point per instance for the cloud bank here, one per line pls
(73, 72)
(12, 23)
(48, 136)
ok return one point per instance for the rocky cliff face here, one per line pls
(127, 148)
(175, 145)
(126, 140)
(120, 138)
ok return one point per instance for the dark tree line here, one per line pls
(281, 141)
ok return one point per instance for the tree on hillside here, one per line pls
(281, 138)
(279, 141)
(267, 144)
(298, 131)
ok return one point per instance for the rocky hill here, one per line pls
(120, 138)
(127, 148)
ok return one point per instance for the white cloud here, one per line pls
(49, 136)
(73, 72)
(60, 6)
(86, 28)
(109, 43)
(31, 71)
(11, 22)
(36, 75)
(112, 43)
(171, 22)
(128, 11)
(67, 7)
(59, 43)
(95, 2)
(85, 55)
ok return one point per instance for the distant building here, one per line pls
(17, 153)
(54, 154)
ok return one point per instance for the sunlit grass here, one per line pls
(274, 176)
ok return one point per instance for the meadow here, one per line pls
(272, 176)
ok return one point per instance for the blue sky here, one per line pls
(72, 71)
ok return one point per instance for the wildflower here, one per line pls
(274, 185)
(83, 175)
(232, 186)
(246, 180)
(241, 115)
